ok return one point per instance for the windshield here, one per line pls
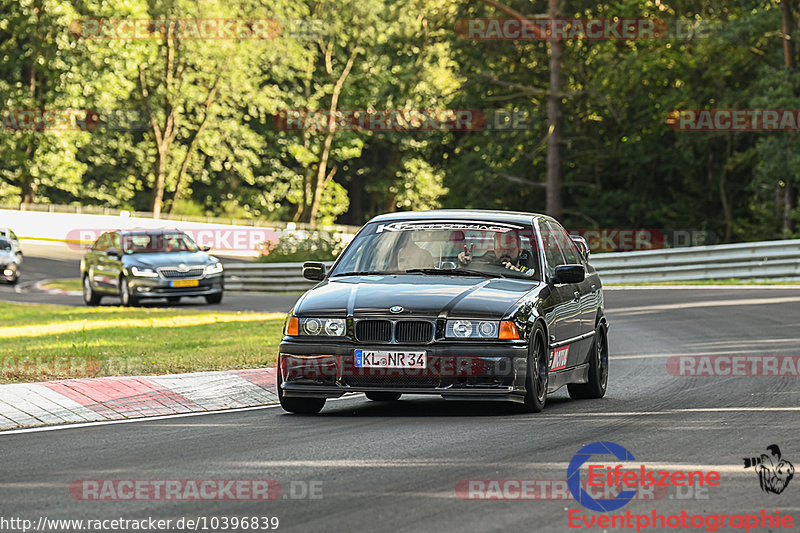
(158, 242)
(490, 249)
(5, 246)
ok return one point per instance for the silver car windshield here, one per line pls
(489, 249)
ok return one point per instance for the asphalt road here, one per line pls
(394, 467)
(55, 261)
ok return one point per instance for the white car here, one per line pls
(9, 262)
(11, 237)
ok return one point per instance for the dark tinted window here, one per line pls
(551, 246)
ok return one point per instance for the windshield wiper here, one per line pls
(454, 272)
(367, 273)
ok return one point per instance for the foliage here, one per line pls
(298, 246)
(623, 167)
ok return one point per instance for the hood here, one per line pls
(160, 259)
(418, 295)
(7, 256)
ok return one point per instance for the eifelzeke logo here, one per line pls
(774, 473)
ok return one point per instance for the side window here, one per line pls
(568, 247)
(116, 242)
(13, 235)
(101, 244)
(550, 244)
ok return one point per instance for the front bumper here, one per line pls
(454, 371)
(161, 288)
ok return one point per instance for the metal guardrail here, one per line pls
(770, 260)
(266, 277)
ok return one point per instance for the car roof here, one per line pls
(519, 217)
(149, 231)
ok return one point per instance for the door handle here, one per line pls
(577, 296)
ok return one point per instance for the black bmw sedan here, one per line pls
(140, 264)
(469, 305)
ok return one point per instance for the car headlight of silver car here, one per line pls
(144, 272)
(331, 327)
(472, 329)
(214, 269)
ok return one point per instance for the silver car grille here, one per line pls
(185, 273)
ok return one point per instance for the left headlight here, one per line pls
(214, 269)
(330, 327)
(472, 329)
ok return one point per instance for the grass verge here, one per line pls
(40, 342)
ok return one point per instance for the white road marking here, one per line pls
(711, 303)
(688, 353)
(152, 418)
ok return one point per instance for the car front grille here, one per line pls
(175, 273)
(403, 331)
(393, 381)
(374, 330)
(413, 331)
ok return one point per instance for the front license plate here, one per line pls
(184, 283)
(390, 359)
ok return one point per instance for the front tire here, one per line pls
(383, 396)
(301, 406)
(598, 370)
(90, 297)
(125, 296)
(214, 298)
(537, 375)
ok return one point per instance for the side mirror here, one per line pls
(205, 248)
(113, 252)
(569, 274)
(582, 245)
(314, 271)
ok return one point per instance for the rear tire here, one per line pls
(214, 298)
(301, 406)
(383, 396)
(537, 375)
(90, 297)
(598, 370)
(125, 296)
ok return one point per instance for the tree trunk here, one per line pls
(193, 144)
(553, 193)
(790, 191)
(322, 170)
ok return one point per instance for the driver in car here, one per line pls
(507, 253)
